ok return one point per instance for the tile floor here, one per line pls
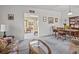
(57, 46)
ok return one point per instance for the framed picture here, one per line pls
(50, 20)
(10, 16)
(56, 19)
(44, 19)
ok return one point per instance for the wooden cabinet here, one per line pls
(74, 22)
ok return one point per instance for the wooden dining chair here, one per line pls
(61, 34)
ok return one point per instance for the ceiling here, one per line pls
(59, 8)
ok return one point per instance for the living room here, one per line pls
(48, 18)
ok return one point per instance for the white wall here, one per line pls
(0, 15)
(16, 26)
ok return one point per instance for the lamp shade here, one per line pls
(3, 28)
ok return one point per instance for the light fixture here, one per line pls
(3, 29)
(70, 12)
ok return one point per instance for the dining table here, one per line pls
(70, 32)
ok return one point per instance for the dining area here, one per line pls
(66, 32)
(70, 29)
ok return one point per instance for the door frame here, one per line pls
(32, 15)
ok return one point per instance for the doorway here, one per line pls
(31, 27)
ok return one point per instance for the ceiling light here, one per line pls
(70, 12)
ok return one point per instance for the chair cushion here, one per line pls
(37, 50)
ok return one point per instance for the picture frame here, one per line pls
(50, 20)
(56, 19)
(44, 18)
(10, 16)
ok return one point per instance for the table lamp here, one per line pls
(3, 29)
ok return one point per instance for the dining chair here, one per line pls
(61, 34)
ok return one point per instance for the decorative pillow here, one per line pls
(3, 44)
(9, 39)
